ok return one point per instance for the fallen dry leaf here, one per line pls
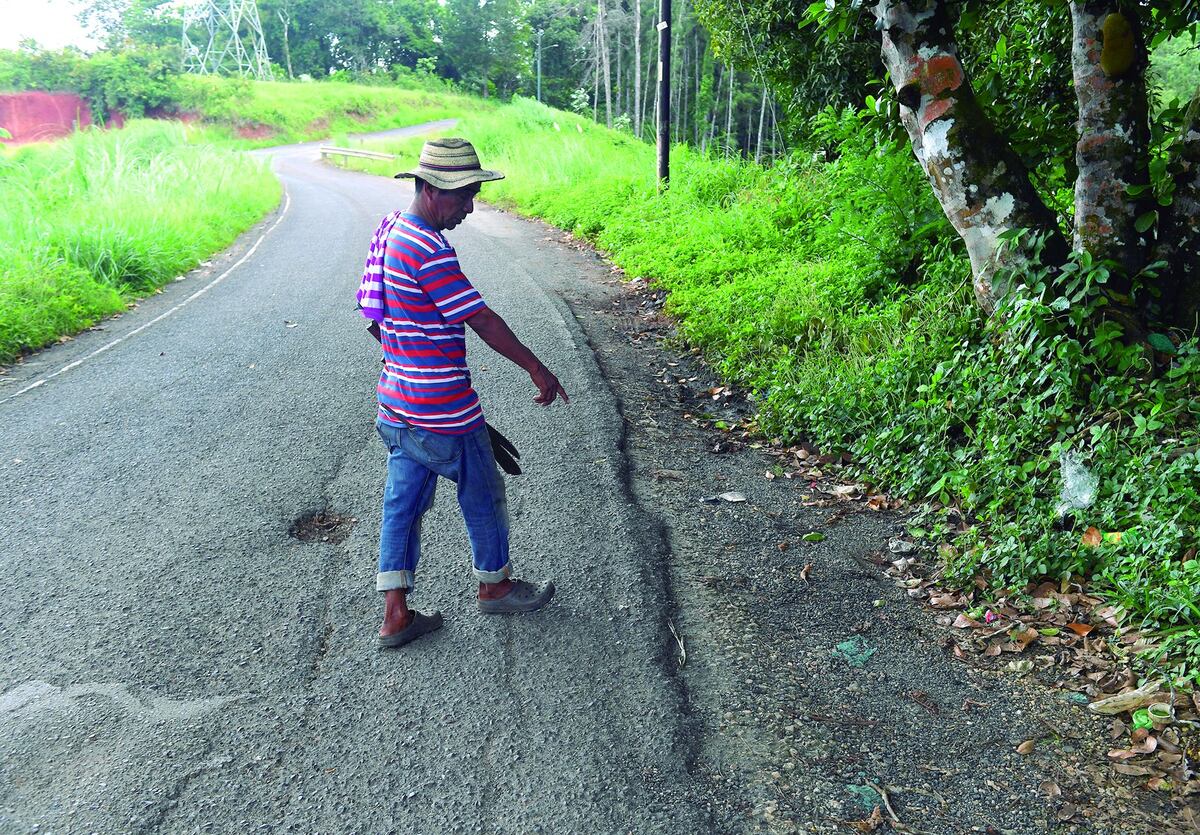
(1091, 538)
(1121, 754)
(1024, 637)
(965, 622)
(1050, 789)
(870, 824)
(1081, 629)
(1146, 746)
(806, 572)
(1066, 812)
(1132, 770)
(1026, 747)
(1144, 695)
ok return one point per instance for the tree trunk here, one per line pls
(596, 68)
(285, 17)
(710, 116)
(698, 66)
(1109, 59)
(637, 69)
(606, 64)
(774, 131)
(646, 85)
(762, 113)
(983, 187)
(729, 113)
(620, 87)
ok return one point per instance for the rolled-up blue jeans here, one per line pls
(416, 457)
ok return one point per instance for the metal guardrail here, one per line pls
(327, 150)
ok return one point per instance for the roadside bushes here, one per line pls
(131, 82)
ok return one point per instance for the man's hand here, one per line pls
(549, 388)
(499, 337)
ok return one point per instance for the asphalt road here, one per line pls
(173, 660)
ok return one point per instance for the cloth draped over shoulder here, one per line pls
(370, 289)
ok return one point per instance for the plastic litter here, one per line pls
(1141, 719)
(1160, 713)
(1079, 484)
(865, 796)
(856, 651)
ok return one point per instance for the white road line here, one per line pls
(286, 204)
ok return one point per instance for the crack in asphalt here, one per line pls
(656, 571)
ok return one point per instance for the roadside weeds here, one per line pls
(827, 701)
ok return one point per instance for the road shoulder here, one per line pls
(794, 728)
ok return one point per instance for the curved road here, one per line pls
(173, 660)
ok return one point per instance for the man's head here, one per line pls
(448, 178)
(444, 208)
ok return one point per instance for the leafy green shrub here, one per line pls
(131, 82)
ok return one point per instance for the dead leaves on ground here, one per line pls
(1081, 646)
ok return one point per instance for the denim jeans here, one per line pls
(416, 457)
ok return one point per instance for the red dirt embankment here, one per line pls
(36, 117)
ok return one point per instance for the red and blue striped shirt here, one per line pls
(426, 298)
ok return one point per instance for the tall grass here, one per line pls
(97, 219)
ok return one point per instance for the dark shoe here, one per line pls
(421, 624)
(522, 597)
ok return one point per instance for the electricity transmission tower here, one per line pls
(234, 44)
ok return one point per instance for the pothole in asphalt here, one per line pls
(322, 526)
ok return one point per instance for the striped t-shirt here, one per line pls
(425, 381)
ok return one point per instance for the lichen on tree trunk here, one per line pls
(979, 180)
(1109, 61)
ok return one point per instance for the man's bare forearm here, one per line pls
(498, 336)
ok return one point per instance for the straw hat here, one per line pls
(450, 163)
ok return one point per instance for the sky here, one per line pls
(51, 23)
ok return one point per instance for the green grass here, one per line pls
(285, 112)
(90, 222)
(832, 287)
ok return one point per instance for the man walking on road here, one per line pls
(429, 414)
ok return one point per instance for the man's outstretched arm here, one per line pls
(493, 330)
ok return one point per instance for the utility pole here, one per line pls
(540, 32)
(664, 93)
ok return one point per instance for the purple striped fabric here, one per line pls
(370, 289)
